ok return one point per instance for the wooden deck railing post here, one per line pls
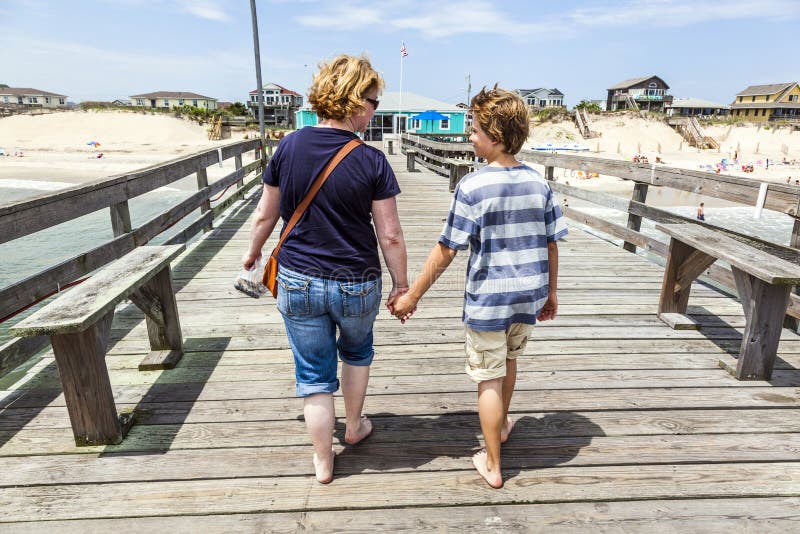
(549, 173)
(458, 170)
(635, 221)
(120, 218)
(410, 160)
(202, 183)
(238, 165)
(790, 322)
(390, 143)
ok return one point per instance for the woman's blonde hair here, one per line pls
(503, 115)
(340, 86)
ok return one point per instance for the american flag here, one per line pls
(403, 51)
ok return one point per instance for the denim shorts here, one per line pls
(313, 309)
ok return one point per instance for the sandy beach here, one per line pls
(56, 153)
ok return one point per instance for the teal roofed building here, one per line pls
(393, 114)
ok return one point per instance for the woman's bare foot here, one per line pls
(507, 428)
(493, 478)
(323, 468)
(351, 437)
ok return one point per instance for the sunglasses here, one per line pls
(375, 103)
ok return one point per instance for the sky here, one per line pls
(108, 49)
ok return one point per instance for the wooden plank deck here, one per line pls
(623, 423)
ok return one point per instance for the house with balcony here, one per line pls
(774, 102)
(647, 93)
(541, 98)
(696, 107)
(280, 105)
(27, 97)
(172, 99)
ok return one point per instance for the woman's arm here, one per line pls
(392, 243)
(266, 217)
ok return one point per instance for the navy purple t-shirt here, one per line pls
(334, 239)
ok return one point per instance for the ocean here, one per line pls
(30, 254)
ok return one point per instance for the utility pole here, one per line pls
(469, 88)
(257, 51)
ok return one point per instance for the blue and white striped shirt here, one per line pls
(506, 216)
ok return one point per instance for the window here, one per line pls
(741, 98)
(180, 101)
(33, 100)
(764, 112)
(754, 99)
(444, 124)
(140, 101)
(166, 102)
(652, 84)
(194, 103)
(5, 99)
(416, 124)
(47, 100)
(793, 98)
(747, 113)
(61, 101)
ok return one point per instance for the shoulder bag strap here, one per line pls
(315, 187)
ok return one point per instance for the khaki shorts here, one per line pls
(487, 351)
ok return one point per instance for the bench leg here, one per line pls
(765, 307)
(674, 297)
(82, 368)
(157, 300)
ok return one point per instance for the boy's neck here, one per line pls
(502, 159)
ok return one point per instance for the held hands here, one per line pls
(404, 307)
(550, 308)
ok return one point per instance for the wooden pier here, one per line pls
(623, 424)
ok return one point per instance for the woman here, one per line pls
(330, 274)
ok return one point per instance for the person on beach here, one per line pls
(329, 277)
(701, 212)
(509, 218)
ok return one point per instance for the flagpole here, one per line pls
(400, 106)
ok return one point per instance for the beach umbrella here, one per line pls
(427, 118)
(93, 143)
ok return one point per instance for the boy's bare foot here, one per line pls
(323, 468)
(493, 478)
(359, 434)
(506, 430)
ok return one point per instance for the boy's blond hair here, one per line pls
(340, 86)
(503, 115)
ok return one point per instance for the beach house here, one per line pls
(26, 97)
(773, 102)
(280, 105)
(649, 93)
(541, 98)
(696, 107)
(173, 99)
(396, 113)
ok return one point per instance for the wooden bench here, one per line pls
(763, 281)
(79, 324)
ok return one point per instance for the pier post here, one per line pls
(120, 218)
(410, 161)
(202, 183)
(792, 323)
(238, 165)
(391, 146)
(549, 173)
(458, 169)
(635, 221)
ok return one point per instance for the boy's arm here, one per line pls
(438, 261)
(550, 309)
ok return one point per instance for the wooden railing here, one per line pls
(28, 216)
(743, 191)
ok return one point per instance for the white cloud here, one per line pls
(449, 17)
(204, 9)
(678, 13)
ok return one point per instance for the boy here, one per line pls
(509, 218)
